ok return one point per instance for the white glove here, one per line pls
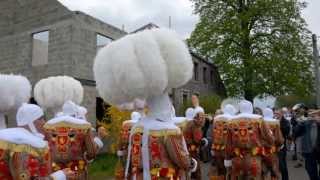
(58, 175)
(206, 142)
(227, 163)
(212, 153)
(120, 153)
(195, 165)
(98, 142)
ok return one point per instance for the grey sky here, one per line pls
(136, 13)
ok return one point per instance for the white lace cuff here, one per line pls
(227, 163)
(195, 165)
(98, 142)
(58, 175)
(120, 153)
(206, 142)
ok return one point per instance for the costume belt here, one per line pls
(241, 152)
(218, 147)
(163, 172)
(77, 165)
(270, 150)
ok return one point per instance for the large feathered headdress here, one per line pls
(14, 91)
(53, 92)
(142, 65)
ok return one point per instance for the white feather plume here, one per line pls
(176, 55)
(14, 90)
(264, 101)
(142, 65)
(53, 92)
(234, 101)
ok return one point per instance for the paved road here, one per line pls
(294, 173)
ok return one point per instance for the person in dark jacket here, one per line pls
(282, 154)
(307, 129)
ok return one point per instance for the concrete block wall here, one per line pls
(72, 46)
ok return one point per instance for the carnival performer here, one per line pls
(220, 135)
(270, 156)
(147, 65)
(123, 143)
(25, 149)
(194, 138)
(71, 140)
(248, 132)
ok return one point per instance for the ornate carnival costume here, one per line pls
(220, 136)
(71, 140)
(194, 138)
(270, 158)
(248, 134)
(146, 65)
(27, 153)
(72, 143)
(124, 143)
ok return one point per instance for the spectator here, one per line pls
(307, 129)
(195, 100)
(282, 154)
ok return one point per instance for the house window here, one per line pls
(211, 77)
(102, 41)
(204, 76)
(195, 72)
(40, 44)
(184, 98)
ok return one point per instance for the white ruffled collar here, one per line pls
(153, 124)
(247, 115)
(270, 119)
(178, 120)
(68, 119)
(224, 116)
(22, 136)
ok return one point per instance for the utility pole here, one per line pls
(316, 68)
(169, 22)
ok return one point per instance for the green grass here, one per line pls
(103, 167)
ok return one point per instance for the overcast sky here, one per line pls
(136, 13)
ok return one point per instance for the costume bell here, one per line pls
(220, 135)
(248, 134)
(124, 143)
(71, 140)
(270, 156)
(194, 138)
(24, 154)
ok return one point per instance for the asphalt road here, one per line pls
(294, 173)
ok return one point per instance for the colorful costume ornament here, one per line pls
(220, 136)
(270, 158)
(194, 138)
(25, 155)
(71, 141)
(146, 65)
(124, 143)
(248, 134)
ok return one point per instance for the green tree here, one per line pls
(260, 46)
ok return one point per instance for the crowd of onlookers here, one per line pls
(300, 127)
